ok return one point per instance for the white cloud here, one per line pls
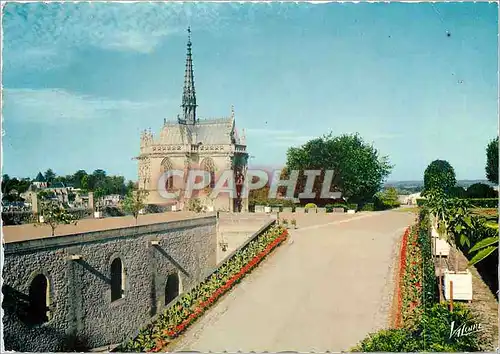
(54, 105)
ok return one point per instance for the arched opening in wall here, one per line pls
(39, 301)
(117, 279)
(208, 165)
(172, 288)
(166, 165)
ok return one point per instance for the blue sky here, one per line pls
(82, 80)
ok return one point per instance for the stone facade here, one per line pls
(78, 271)
(188, 143)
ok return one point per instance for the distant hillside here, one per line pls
(419, 184)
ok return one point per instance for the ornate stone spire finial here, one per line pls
(232, 111)
(189, 95)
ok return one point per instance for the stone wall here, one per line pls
(77, 268)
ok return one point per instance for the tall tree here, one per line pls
(5, 183)
(77, 178)
(492, 161)
(439, 175)
(49, 175)
(359, 171)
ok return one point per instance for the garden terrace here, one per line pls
(16, 233)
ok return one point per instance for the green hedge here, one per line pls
(272, 202)
(477, 202)
(368, 207)
(352, 206)
(430, 290)
(484, 202)
(421, 202)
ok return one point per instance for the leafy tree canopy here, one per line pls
(439, 175)
(134, 202)
(480, 190)
(49, 175)
(492, 161)
(359, 171)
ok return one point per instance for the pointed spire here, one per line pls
(189, 94)
(232, 111)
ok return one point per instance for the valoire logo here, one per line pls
(463, 330)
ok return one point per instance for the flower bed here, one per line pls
(401, 272)
(421, 323)
(412, 281)
(416, 290)
(191, 305)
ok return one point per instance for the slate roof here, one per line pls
(209, 131)
(57, 185)
(39, 177)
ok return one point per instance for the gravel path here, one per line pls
(326, 290)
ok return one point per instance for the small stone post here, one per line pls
(34, 203)
(451, 295)
(91, 201)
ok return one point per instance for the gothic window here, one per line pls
(208, 165)
(39, 298)
(171, 288)
(117, 279)
(166, 165)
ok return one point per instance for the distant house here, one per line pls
(40, 181)
(112, 199)
(411, 199)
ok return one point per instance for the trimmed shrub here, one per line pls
(352, 206)
(154, 209)
(457, 192)
(368, 207)
(310, 206)
(480, 190)
(475, 202)
(484, 202)
(110, 211)
(421, 202)
(430, 290)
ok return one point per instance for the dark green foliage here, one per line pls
(484, 202)
(439, 175)
(111, 211)
(11, 184)
(18, 217)
(359, 171)
(330, 207)
(352, 206)
(457, 192)
(492, 161)
(430, 290)
(478, 203)
(421, 202)
(480, 190)
(154, 209)
(368, 207)
(431, 334)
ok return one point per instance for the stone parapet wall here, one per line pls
(78, 270)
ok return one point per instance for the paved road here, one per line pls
(326, 290)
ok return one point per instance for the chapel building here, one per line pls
(189, 142)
